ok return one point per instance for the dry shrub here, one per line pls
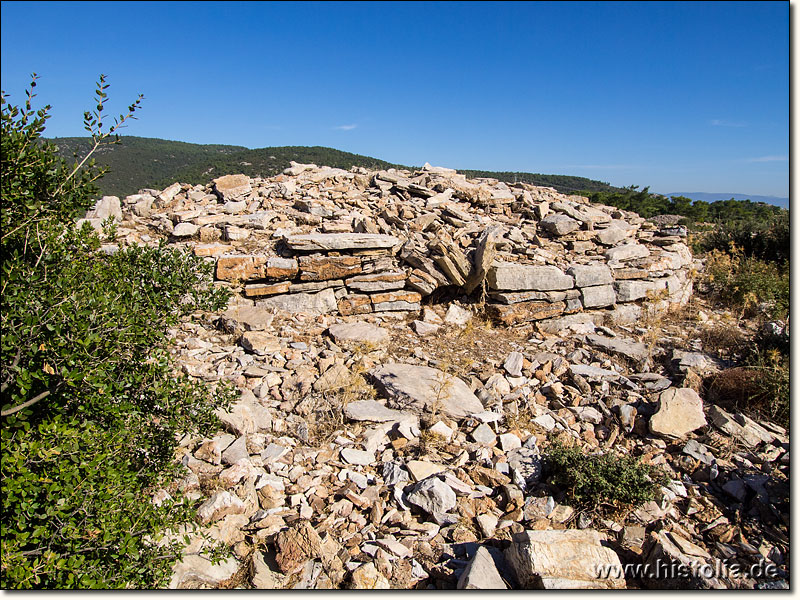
(762, 388)
(725, 340)
(736, 389)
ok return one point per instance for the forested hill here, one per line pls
(138, 162)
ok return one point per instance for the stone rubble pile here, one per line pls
(387, 436)
(354, 242)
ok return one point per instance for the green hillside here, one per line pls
(566, 184)
(138, 162)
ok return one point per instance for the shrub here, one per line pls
(604, 482)
(760, 388)
(764, 239)
(744, 283)
(91, 402)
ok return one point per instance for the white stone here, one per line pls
(357, 457)
(680, 412)
(481, 573)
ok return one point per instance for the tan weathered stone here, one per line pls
(203, 250)
(281, 268)
(232, 186)
(258, 290)
(391, 301)
(354, 304)
(564, 559)
(509, 314)
(320, 268)
(242, 267)
(377, 282)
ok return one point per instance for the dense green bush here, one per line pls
(648, 205)
(604, 482)
(91, 403)
(766, 240)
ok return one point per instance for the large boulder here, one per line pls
(564, 559)
(680, 412)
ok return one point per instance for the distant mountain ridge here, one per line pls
(138, 162)
(713, 197)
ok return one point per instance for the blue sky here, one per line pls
(679, 96)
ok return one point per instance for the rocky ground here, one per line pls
(404, 445)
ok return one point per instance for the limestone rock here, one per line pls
(563, 559)
(262, 577)
(338, 376)
(558, 224)
(316, 304)
(371, 410)
(296, 545)
(397, 300)
(231, 187)
(598, 296)
(680, 412)
(668, 548)
(107, 207)
(182, 230)
(359, 333)
(424, 388)
(525, 311)
(377, 282)
(194, 571)
(433, 496)
(220, 505)
(590, 275)
(341, 241)
(481, 573)
(626, 252)
(367, 577)
(316, 268)
(260, 342)
(636, 351)
(512, 277)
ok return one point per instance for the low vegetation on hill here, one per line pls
(138, 162)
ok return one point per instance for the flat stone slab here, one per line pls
(627, 252)
(232, 186)
(315, 304)
(371, 410)
(593, 373)
(424, 388)
(598, 296)
(626, 347)
(590, 275)
(359, 333)
(377, 282)
(357, 457)
(515, 277)
(341, 241)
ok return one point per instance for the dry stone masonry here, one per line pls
(329, 241)
(388, 436)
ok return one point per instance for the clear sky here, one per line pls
(678, 96)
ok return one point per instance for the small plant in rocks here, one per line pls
(601, 482)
